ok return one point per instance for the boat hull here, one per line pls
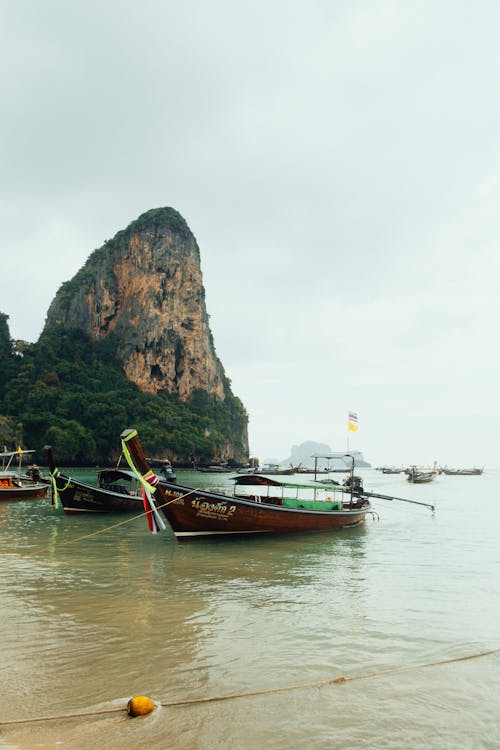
(79, 497)
(416, 476)
(194, 513)
(462, 472)
(36, 492)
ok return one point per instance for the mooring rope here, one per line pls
(264, 691)
(95, 533)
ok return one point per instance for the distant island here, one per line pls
(302, 455)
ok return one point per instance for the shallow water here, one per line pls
(89, 620)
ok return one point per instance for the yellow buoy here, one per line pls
(140, 705)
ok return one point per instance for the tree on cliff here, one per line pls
(127, 344)
(9, 359)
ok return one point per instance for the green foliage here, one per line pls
(72, 393)
(10, 433)
(160, 217)
(10, 360)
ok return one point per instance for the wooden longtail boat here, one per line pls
(16, 486)
(462, 472)
(420, 476)
(13, 487)
(270, 507)
(117, 491)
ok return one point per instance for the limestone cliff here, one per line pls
(145, 286)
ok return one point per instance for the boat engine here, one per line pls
(354, 483)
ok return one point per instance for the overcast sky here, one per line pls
(338, 162)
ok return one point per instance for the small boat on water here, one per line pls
(420, 476)
(14, 485)
(274, 469)
(117, 490)
(462, 472)
(258, 504)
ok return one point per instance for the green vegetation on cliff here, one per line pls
(9, 360)
(71, 392)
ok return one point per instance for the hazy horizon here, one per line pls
(338, 164)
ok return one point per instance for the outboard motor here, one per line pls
(354, 483)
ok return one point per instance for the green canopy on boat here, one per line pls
(261, 480)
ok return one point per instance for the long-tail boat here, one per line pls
(116, 491)
(16, 486)
(266, 506)
(462, 472)
(420, 476)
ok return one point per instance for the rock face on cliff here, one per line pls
(145, 287)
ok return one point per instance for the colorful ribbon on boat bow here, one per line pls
(155, 521)
(149, 480)
(55, 493)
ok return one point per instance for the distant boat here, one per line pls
(462, 472)
(420, 476)
(274, 469)
(392, 469)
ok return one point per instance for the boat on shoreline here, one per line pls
(258, 504)
(14, 485)
(117, 490)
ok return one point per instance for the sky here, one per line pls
(338, 162)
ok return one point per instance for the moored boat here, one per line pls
(420, 476)
(462, 472)
(14, 485)
(266, 506)
(274, 469)
(116, 491)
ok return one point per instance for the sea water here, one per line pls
(95, 609)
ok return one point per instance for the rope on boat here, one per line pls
(95, 533)
(253, 693)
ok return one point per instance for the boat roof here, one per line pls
(337, 454)
(6, 474)
(260, 479)
(113, 474)
(9, 454)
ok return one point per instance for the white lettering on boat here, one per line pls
(213, 510)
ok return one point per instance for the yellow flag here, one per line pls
(19, 450)
(352, 421)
